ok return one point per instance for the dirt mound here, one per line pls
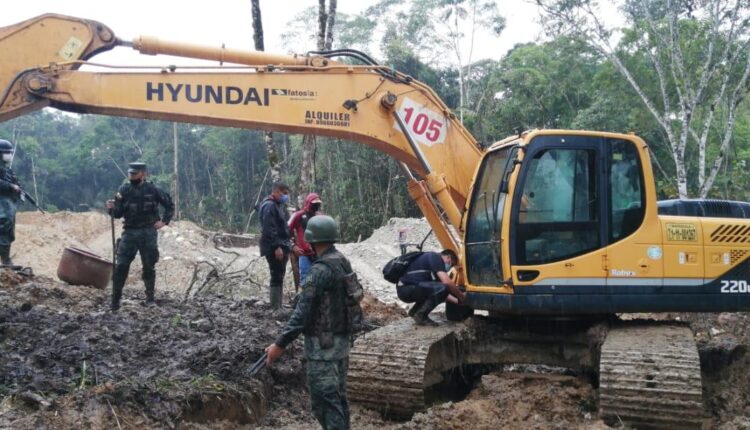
(517, 400)
(724, 346)
(190, 262)
(184, 250)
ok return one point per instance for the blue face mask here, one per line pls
(447, 267)
(284, 198)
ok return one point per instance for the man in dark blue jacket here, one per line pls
(274, 238)
(427, 284)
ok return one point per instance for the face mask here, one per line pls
(315, 207)
(284, 198)
(447, 267)
(7, 158)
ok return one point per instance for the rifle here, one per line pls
(27, 197)
(255, 368)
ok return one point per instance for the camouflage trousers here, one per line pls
(7, 221)
(326, 380)
(133, 241)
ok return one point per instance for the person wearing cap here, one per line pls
(321, 314)
(138, 203)
(10, 194)
(297, 226)
(274, 239)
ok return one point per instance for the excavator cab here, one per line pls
(544, 211)
(575, 195)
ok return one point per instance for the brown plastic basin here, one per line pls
(79, 267)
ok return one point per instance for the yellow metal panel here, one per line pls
(683, 247)
(727, 244)
(584, 266)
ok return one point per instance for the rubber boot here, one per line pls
(118, 282)
(413, 309)
(150, 289)
(276, 296)
(5, 255)
(421, 316)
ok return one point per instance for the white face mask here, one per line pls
(7, 158)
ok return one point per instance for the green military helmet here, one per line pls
(321, 228)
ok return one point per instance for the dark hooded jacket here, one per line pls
(274, 232)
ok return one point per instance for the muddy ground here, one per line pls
(68, 363)
(65, 362)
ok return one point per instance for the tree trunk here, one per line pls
(273, 158)
(326, 21)
(210, 181)
(322, 20)
(176, 177)
(33, 178)
(328, 45)
(257, 25)
(307, 172)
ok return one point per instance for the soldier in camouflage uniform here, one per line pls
(10, 194)
(321, 315)
(138, 202)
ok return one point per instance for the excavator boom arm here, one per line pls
(370, 104)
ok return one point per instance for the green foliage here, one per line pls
(175, 320)
(544, 86)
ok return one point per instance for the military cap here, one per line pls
(5, 146)
(136, 167)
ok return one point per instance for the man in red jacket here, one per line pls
(297, 225)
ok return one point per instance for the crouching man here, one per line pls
(427, 284)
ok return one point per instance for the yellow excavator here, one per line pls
(557, 230)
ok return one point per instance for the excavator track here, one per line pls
(391, 368)
(650, 377)
(394, 368)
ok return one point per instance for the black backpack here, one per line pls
(397, 267)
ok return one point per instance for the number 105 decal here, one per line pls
(423, 124)
(734, 287)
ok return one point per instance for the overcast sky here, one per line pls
(229, 21)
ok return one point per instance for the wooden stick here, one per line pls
(117, 420)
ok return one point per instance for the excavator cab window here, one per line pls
(627, 200)
(485, 218)
(558, 214)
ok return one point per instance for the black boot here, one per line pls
(421, 315)
(118, 282)
(277, 292)
(116, 295)
(413, 309)
(5, 255)
(150, 289)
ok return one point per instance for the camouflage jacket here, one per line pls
(7, 180)
(319, 314)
